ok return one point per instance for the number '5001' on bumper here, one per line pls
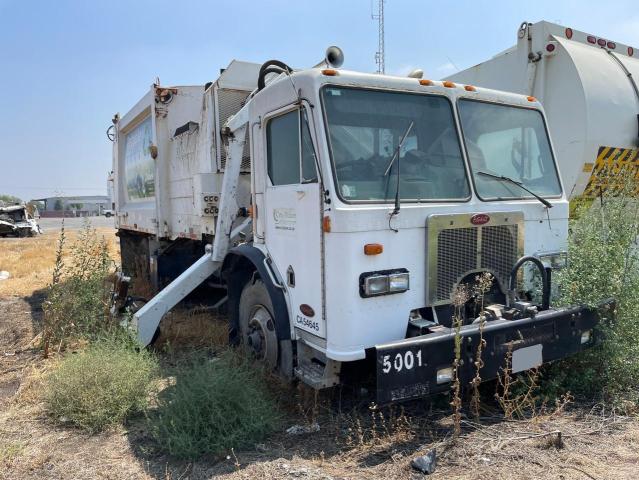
(410, 368)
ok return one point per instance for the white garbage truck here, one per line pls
(588, 87)
(341, 214)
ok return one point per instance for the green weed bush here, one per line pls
(213, 406)
(603, 263)
(77, 298)
(101, 386)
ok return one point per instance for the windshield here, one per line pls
(365, 129)
(508, 141)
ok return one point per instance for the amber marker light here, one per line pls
(426, 83)
(448, 84)
(373, 248)
(329, 72)
(326, 224)
(531, 99)
(470, 88)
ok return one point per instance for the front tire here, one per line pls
(257, 324)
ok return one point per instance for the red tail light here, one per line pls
(569, 33)
(591, 39)
(631, 51)
(601, 42)
(612, 45)
(550, 47)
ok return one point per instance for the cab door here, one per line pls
(293, 220)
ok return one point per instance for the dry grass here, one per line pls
(30, 260)
(198, 327)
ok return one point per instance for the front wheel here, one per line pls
(257, 324)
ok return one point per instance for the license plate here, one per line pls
(527, 358)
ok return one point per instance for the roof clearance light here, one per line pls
(601, 42)
(426, 83)
(631, 51)
(448, 84)
(470, 88)
(329, 72)
(591, 39)
(550, 47)
(569, 33)
(531, 99)
(612, 45)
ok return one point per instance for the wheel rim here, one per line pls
(260, 336)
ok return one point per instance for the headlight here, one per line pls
(398, 282)
(554, 260)
(376, 285)
(385, 282)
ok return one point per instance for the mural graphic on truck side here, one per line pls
(138, 163)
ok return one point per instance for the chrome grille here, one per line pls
(456, 252)
(499, 250)
(457, 248)
(229, 103)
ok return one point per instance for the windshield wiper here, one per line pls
(390, 164)
(545, 202)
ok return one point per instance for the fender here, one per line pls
(236, 271)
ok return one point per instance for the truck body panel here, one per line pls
(175, 195)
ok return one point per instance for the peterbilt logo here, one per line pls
(479, 219)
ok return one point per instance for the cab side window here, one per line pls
(290, 153)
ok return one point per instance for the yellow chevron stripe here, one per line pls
(603, 154)
(611, 167)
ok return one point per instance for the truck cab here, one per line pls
(377, 204)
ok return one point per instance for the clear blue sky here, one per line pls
(67, 66)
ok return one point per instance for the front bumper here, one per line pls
(408, 368)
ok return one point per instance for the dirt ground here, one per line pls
(353, 442)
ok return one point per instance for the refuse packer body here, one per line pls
(588, 87)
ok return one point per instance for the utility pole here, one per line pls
(379, 55)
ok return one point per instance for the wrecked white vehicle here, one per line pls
(15, 220)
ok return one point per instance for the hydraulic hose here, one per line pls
(268, 67)
(545, 280)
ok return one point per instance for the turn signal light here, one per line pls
(329, 72)
(373, 248)
(326, 224)
(448, 84)
(426, 83)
